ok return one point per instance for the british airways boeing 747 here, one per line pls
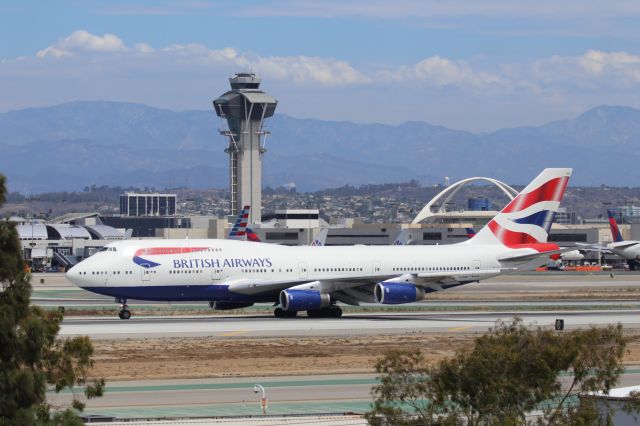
(234, 274)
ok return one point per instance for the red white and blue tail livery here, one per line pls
(526, 220)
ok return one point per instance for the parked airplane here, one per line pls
(629, 250)
(234, 274)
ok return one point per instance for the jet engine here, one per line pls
(303, 300)
(390, 293)
(224, 305)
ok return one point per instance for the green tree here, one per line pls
(31, 356)
(506, 374)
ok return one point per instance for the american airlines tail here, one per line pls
(525, 222)
(239, 229)
(615, 232)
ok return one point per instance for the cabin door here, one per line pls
(146, 272)
(215, 274)
(302, 270)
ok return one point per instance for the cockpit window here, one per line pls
(103, 249)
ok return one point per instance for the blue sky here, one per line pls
(464, 64)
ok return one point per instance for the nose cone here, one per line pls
(73, 276)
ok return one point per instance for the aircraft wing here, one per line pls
(533, 256)
(593, 247)
(352, 290)
(623, 244)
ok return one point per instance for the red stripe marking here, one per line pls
(168, 250)
(509, 238)
(549, 191)
(516, 240)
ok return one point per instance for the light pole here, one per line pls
(263, 400)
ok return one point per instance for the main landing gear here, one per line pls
(332, 311)
(124, 313)
(281, 313)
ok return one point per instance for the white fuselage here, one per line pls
(629, 250)
(174, 270)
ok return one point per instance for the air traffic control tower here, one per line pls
(245, 107)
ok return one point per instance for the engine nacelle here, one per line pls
(221, 305)
(303, 300)
(573, 255)
(390, 293)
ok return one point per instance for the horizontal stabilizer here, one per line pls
(533, 256)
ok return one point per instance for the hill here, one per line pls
(70, 146)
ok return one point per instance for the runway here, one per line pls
(353, 324)
(219, 397)
(227, 397)
(468, 309)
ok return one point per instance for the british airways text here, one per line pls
(222, 263)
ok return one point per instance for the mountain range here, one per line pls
(73, 145)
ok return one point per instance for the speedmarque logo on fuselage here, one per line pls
(203, 263)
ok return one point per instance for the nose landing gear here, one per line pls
(124, 313)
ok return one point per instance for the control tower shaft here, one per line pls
(245, 107)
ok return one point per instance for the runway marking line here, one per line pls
(463, 328)
(234, 333)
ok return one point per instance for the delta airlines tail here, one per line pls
(233, 274)
(628, 250)
(613, 225)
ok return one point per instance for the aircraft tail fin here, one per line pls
(239, 229)
(252, 236)
(321, 238)
(615, 231)
(470, 232)
(403, 238)
(528, 217)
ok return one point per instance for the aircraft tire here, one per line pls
(291, 314)
(124, 314)
(279, 313)
(336, 312)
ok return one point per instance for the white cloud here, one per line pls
(410, 9)
(595, 69)
(437, 71)
(299, 69)
(83, 41)
(184, 76)
(303, 68)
